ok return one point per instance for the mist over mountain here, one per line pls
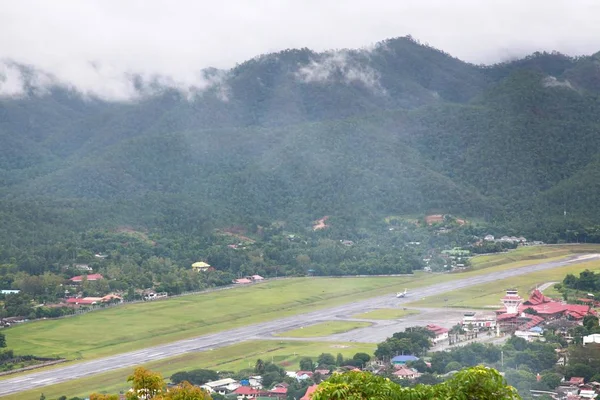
(399, 128)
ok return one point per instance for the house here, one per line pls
(90, 278)
(576, 380)
(242, 281)
(83, 267)
(441, 333)
(401, 360)
(489, 238)
(321, 371)
(85, 301)
(280, 389)
(247, 392)
(257, 278)
(302, 375)
(221, 386)
(403, 372)
(309, 391)
(8, 291)
(201, 266)
(589, 339)
(112, 297)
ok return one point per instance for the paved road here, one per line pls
(260, 330)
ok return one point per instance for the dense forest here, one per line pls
(281, 140)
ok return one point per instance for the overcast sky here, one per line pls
(91, 44)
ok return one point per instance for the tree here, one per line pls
(259, 368)
(184, 391)
(551, 380)
(477, 383)
(306, 364)
(97, 396)
(145, 384)
(339, 360)
(2, 340)
(362, 359)
(326, 359)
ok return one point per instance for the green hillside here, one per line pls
(401, 128)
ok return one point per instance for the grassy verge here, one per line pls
(141, 325)
(386, 313)
(532, 253)
(325, 329)
(488, 295)
(231, 358)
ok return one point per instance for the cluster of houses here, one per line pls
(252, 387)
(573, 389)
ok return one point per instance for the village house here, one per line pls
(89, 278)
(201, 266)
(403, 372)
(309, 391)
(441, 333)
(221, 386)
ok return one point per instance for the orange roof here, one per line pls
(309, 391)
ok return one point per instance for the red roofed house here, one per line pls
(576, 380)
(91, 277)
(242, 281)
(441, 333)
(301, 375)
(280, 388)
(247, 392)
(309, 391)
(84, 301)
(403, 372)
(257, 278)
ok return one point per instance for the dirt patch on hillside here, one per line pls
(434, 219)
(320, 223)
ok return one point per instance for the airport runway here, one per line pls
(257, 331)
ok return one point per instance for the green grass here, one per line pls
(325, 329)
(488, 295)
(231, 358)
(386, 313)
(136, 326)
(531, 253)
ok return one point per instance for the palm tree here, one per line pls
(260, 366)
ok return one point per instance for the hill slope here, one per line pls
(399, 128)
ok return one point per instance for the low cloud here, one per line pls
(107, 82)
(11, 80)
(340, 65)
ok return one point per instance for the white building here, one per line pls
(595, 338)
(479, 320)
(222, 386)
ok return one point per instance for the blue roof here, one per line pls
(404, 358)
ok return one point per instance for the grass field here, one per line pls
(488, 295)
(231, 358)
(386, 313)
(532, 253)
(136, 326)
(325, 329)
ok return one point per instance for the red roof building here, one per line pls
(406, 373)
(242, 281)
(91, 277)
(309, 391)
(576, 380)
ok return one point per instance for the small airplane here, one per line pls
(401, 294)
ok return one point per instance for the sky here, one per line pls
(95, 46)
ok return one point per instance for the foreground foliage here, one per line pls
(477, 383)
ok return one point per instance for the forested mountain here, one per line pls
(400, 128)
